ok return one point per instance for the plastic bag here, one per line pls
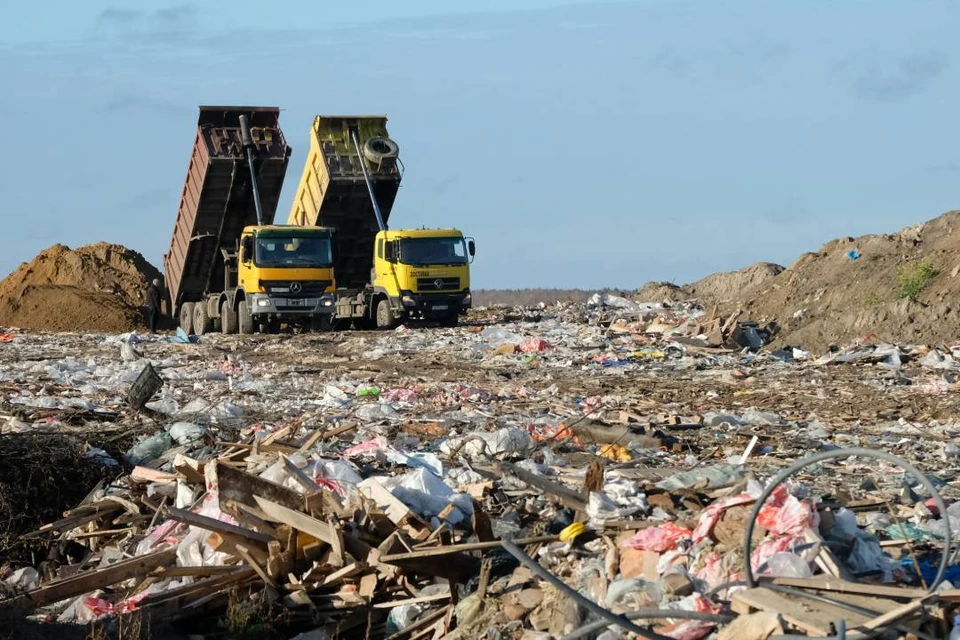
(428, 495)
(486, 443)
(186, 433)
(783, 514)
(149, 448)
(659, 539)
(716, 477)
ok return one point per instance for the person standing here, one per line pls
(153, 304)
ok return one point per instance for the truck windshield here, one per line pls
(424, 251)
(274, 251)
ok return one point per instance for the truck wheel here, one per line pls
(201, 320)
(186, 317)
(385, 317)
(228, 318)
(451, 320)
(244, 318)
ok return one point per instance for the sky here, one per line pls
(581, 145)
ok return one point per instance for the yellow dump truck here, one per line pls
(383, 276)
(228, 266)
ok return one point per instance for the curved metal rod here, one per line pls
(650, 614)
(845, 453)
(590, 605)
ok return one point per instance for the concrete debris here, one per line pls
(603, 480)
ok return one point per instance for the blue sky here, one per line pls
(600, 144)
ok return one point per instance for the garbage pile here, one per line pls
(98, 287)
(550, 479)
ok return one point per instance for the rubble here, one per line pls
(598, 471)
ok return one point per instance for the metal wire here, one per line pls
(649, 614)
(593, 607)
(844, 453)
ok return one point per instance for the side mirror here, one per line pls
(472, 247)
(388, 251)
(246, 250)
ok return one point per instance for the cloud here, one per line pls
(181, 17)
(885, 78)
(749, 59)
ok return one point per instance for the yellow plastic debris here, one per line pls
(615, 452)
(571, 532)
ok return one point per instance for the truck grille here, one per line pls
(289, 289)
(437, 284)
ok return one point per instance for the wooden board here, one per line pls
(91, 580)
(233, 484)
(805, 615)
(302, 522)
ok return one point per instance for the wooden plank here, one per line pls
(189, 468)
(301, 478)
(567, 497)
(91, 580)
(829, 583)
(398, 513)
(244, 553)
(200, 588)
(302, 522)
(899, 613)
(338, 576)
(438, 597)
(460, 548)
(216, 526)
(233, 484)
(825, 559)
(806, 615)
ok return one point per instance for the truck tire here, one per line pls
(244, 318)
(380, 148)
(385, 317)
(228, 318)
(451, 320)
(201, 319)
(186, 317)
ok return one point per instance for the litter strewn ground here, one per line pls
(534, 479)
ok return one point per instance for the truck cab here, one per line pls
(421, 274)
(285, 270)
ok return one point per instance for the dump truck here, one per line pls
(228, 266)
(383, 276)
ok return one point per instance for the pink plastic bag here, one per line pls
(659, 539)
(783, 514)
(534, 345)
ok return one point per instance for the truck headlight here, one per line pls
(263, 303)
(327, 302)
(408, 301)
(468, 298)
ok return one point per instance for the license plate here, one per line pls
(296, 303)
(440, 307)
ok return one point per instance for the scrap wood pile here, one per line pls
(524, 551)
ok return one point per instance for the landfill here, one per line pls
(578, 470)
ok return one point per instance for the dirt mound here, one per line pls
(723, 287)
(98, 287)
(662, 292)
(901, 287)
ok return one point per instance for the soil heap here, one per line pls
(901, 287)
(97, 287)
